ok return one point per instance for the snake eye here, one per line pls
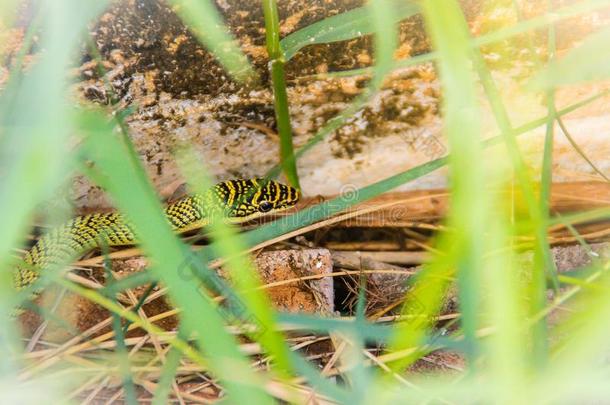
(265, 206)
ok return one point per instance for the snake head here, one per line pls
(251, 198)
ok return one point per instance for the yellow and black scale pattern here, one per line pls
(237, 200)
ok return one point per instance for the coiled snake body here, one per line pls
(238, 200)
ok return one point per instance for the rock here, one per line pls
(314, 295)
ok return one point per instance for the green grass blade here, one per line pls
(505, 294)
(33, 125)
(202, 17)
(119, 334)
(280, 95)
(589, 61)
(542, 254)
(313, 323)
(385, 43)
(323, 385)
(16, 74)
(344, 26)
(168, 374)
(532, 24)
(579, 150)
(386, 36)
(400, 64)
(580, 338)
(422, 303)
(129, 281)
(137, 200)
(534, 205)
(542, 21)
(599, 214)
(35, 128)
(140, 302)
(449, 33)
(105, 302)
(228, 244)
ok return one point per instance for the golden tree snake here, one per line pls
(237, 200)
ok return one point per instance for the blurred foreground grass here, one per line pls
(513, 356)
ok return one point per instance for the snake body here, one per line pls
(237, 200)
